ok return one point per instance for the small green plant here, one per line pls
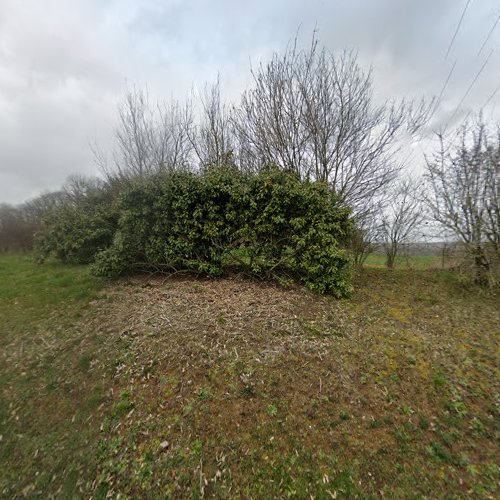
(478, 427)
(423, 422)
(249, 391)
(344, 415)
(401, 435)
(436, 451)
(439, 379)
(204, 393)
(455, 404)
(196, 449)
(376, 423)
(85, 362)
(448, 438)
(272, 410)
(412, 360)
(407, 410)
(124, 405)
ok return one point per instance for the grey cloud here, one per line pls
(64, 65)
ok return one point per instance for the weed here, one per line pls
(248, 391)
(412, 360)
(439, 453)
(376, 424)
(84, 362)
(448, 438)
(423, 422)
(402, 437)
(124, 405)
(455, 404)
(407, 410)
(478, 427)
(439, 379)
(204, 393)
(272, 410)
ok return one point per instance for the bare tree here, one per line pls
(37, 208)
(270, 118)
(149, 139)
(79, 188)
(402, 218)
(134, 155)
(16, 230)
(464, 193)
(170, 137)
(492, 192)
(212, 140)
(18, 224)
(314, 113)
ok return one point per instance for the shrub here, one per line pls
(270, 224)
(76, 233)
(177, 221)
(296, 227)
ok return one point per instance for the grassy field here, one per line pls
(184, 388)
(48, 421)
(403, 262)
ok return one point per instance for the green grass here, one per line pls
(403, 262)
(47, 396)
(184, 388)
(28, 292)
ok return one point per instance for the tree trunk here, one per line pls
(391, 257)
(481, 266)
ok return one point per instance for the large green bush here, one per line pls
(178, 221)
(76, 233)
(296, 228)
(270, 224)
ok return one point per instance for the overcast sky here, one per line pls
(64, 65)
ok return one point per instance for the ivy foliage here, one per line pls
(270, 224)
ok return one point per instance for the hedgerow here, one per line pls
(271, 224)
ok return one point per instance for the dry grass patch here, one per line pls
(261, 374)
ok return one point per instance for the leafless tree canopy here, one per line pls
(149, 138)
(213, 140)
(16, 230)
(366, 238)
(314, 113)
(40, 206)
(309, 111)
(18, 224)
(464, 195)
